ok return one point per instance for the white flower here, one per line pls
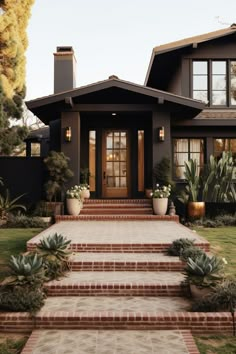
(224, 261)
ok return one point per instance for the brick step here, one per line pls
(120, 236)
(118, 201)
(124, 262)
(101, 342)
(116, 206)
(117, 217)
(117, 283)
(197, 323)
(116, 211)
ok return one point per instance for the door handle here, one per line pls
(104, 175)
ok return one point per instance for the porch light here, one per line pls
(68, 134)
(161, 134)
(113, 114)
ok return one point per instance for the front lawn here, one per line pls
(223, 244)
(13, 242)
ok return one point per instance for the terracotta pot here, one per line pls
(160, 205)
(73, 206)
(199, 293)
(196, 209)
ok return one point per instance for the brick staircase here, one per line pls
(122, 283)
(117, 209)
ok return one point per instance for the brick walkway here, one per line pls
(123, 296)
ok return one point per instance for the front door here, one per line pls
(115, 166)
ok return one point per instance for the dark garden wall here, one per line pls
(23, 175)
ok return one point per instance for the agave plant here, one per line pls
(25, 270)
(7, 204)
(55, 253)
(204, 271)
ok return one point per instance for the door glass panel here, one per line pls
(116, 165)
(92, 159)
(123, 155)
(109, 142)
(116, 168)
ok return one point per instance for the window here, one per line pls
(35, 149)
(221, 145)
(214, 82)
(184, 150)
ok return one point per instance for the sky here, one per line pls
(113, 37)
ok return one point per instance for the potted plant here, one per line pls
(59, 173)
(73, 200)
(191, 194)
(84, 185)
(203, 274)
(160, 199)
(84, 191)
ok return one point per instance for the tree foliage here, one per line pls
(13, 44)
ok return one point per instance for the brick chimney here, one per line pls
(64, 69)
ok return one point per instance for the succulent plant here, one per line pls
(192, 252)
(179, 245)
(55, 253)
(204, 271)
(25, 269)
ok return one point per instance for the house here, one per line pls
(120, 130)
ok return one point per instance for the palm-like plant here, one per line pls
(218, 183)
(192, 178)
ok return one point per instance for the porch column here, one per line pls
(161, 149)
(72, 149)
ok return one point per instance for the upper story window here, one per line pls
(214, 82)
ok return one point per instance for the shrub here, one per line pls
(191, 252)
(23, 221)
(179, 245)
(21, 298)
(222, 298)
(226, 219)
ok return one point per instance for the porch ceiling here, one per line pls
(109, 95)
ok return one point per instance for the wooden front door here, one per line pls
(115, 164)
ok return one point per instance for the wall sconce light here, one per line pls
(68, 134)
(161, 134)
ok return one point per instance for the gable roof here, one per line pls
(56, 102)
(172, 46)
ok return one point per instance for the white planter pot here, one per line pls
(73, 206)
(160, 205)
(85, 194)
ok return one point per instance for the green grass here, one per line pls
(216, 344)
(12, 343)
(223, 244)
(13, 242)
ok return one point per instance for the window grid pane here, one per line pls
(185, 149)
(222, 82)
